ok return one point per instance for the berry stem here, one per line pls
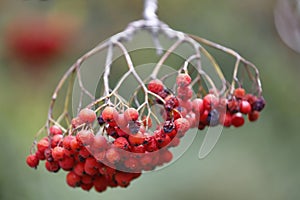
(234, 54)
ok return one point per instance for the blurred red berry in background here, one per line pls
(38, 40)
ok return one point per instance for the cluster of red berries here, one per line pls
(70, 154)
(124, 145)
(209, 110)
(93, 160)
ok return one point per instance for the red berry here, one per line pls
(210, 101)
(182, 125)
(86, 137)
(131, 114)
(183, 80)
(43, 144)
(184, 93)
(32, 161)
(87, 115)
(56, 140)
(48, 154)
(122, 143)
(40, 156)
(86, 179)
(138, 149)
(91, 166)
(99, 143)
(79, 169)
(201, 126)
(73, 180)
(151, 144)
(55, 130)
(253, 116)
(175, 142)
(76, 122)
(67, 163)
(237, 119)
(162, 139)
(225, 119)
(245, 107)
(111, 131)
(112, 155)
(250, 98)
(146, 160)
(83, 153)
(75, 145)
(100, 184)
(121, 121)
(36, 47)
(69, 153)
(87, 187)
(239, 93)
(109, 114)
(166, 156)
(123, 179)
(67, 142)
(155, 86)
(52, 166)
(132, 164)
(58, 153)
(233, 106)
(136, 139)
(203, 117)
(177, 114)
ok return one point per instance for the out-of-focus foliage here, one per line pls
(258, 161)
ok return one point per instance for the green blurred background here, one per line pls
(258, 161)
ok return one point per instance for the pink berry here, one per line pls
(55, 130)
(210, 101)
(109, 114)
(131, 114)
(87, 115)
(183, 80)
(197, 106)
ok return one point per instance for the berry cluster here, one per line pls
(117, 146)
(94, 160)
(70, 153)
(210, 110)
(228, 111)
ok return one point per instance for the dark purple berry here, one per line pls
(213, 117)
(134, 127)
(100, 121)
(168, 126)
(163, 94)
(259, 104)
